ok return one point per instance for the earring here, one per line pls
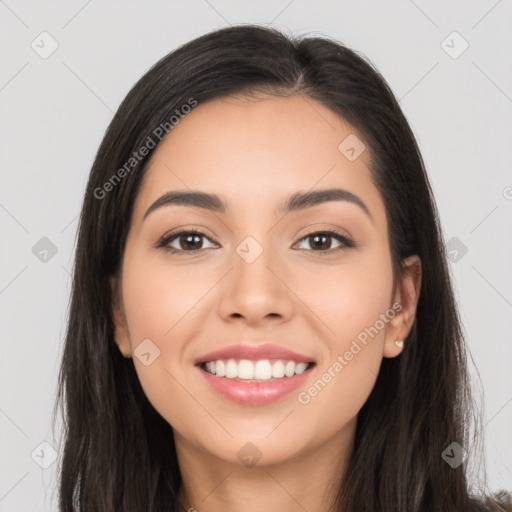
(399, 343)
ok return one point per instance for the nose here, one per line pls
(256, 292)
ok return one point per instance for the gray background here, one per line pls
(54, 113)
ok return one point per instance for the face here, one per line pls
(316, 279)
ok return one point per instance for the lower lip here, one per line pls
(255, 393)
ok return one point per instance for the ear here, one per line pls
(121, 334)
(406, 299)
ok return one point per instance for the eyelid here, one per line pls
(187, 228)
(320, 227)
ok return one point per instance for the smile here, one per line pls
(262, 370)
(254, 382)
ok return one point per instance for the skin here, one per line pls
(255, 154)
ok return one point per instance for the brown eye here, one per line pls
(322, 241)
(189, 241)
(184, 241)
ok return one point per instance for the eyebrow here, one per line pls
(297, 201)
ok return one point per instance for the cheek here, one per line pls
(159, 299)
(162, 304)
(347, 299)
(347, 375)
(352, 301)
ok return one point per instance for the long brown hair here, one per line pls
(119, 453)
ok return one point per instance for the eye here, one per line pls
(322, 241)
(184, 241)
(190, 241)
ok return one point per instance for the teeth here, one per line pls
(262, 370)
(278, 370)
(245, 369)
(289, 369)
(220, 368)
(301, 368)
(231, 369)
(255, 370)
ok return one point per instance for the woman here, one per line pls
(306, 354)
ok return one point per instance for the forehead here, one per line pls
(250, 150)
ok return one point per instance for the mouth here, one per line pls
(263, 370)
(260, 382)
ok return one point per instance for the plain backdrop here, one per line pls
(54, 111)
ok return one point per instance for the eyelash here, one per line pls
(163, 243)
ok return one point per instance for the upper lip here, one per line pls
(254, 353)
